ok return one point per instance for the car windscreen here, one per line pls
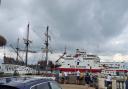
(7, 87)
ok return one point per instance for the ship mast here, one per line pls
(17, 50)
(46, 46)
(27, 42)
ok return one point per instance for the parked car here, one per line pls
(31, 83)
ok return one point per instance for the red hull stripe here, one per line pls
(118, 70)
(84, 70)
(81, 70)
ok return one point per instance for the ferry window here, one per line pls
(77, 63)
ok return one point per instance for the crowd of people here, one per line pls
(88, 78)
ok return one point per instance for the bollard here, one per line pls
(101, 83)
(114, 86)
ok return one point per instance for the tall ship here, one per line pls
(11, 65)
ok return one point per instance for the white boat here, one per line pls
(114, 68)
(81, 61)
(84, 62)
(10, 68)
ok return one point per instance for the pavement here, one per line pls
(74, 86)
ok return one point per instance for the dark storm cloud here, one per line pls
(84, 24)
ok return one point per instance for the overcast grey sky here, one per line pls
(99, 26)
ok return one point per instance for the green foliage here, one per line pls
(28, 74)
(2, 74)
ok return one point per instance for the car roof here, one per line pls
(27, 82)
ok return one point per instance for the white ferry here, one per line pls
(81, 61)
(84, 61)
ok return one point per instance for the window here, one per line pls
(41, 86)
(54, 85)
(35, 87)
(77, 63)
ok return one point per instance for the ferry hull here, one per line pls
(81, 70)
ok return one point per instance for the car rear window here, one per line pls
(7, 87)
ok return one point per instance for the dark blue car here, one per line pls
(31, 83)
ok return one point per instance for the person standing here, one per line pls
(60, 77)
(87, 79)
(108, 80)
(78, 77)
(65, 77)
(126, 83)
(57, 76)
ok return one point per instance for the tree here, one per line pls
(2, 41)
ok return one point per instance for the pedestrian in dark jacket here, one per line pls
(87, 79)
